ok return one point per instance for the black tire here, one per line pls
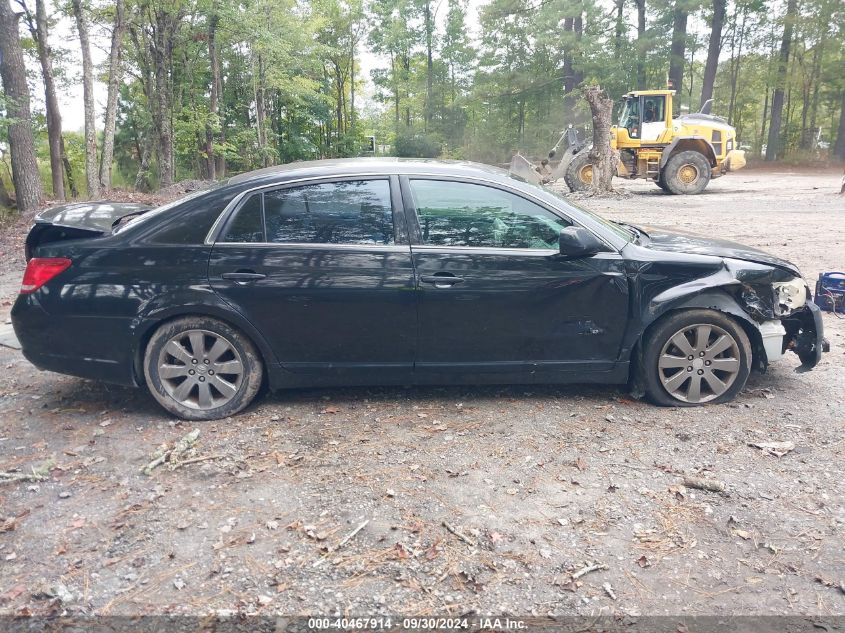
(662, 184)
(170, 357)
(686, 173)
(579, 173)
(670, 372)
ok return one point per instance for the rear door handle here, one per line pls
(441, 280)
(243, 276)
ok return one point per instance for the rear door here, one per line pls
(495, 296)
(324, 270)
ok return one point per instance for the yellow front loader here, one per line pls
(680, 155)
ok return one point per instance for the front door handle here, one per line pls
(243, 276)
(441, 280)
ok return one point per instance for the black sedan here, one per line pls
(384, 271)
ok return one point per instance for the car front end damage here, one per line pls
(781, 307)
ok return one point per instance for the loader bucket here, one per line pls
(522, 168)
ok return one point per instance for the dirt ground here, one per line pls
(534, 484)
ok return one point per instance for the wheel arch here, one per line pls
(153, 321)
(688, 143)
(710, 300)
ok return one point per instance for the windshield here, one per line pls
(630, 117)
(629, 235)
(154, 213)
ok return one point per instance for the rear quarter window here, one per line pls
(191, 224)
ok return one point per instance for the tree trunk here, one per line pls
(619, 29)
(114, 87)
(773, 144)
(51, 103)
(214, 98)
(29, 191)
(602, 157)
(164, 31)
(91, 177)
(429, 65)
(71, 179)
(641, 45)
(260, 111)
(677, 55)
(713, 50)
(839, 148)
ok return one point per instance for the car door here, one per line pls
(494, 294)
(323, 269)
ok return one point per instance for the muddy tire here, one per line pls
(579, 173)
(686, 173)
(199, 368)
(695, 357)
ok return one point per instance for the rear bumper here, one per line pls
(88, 347)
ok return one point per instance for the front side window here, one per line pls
(348, 212)
(465, 214)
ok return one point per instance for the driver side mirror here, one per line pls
(577, 242)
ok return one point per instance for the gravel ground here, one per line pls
(486, 500)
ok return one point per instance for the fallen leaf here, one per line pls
(12, 593)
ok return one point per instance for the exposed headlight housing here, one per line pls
(790, 295)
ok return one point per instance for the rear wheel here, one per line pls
(686, 173)
(579, 173)
(696, 357)
(199, 368)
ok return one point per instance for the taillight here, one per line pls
(40, 270)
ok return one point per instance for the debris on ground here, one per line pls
(776, 449)
(182, 452)
(459, 534)
(703, 483)
(37, 473)
(587, 568)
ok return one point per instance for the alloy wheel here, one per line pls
(200, 369)
(699, 363)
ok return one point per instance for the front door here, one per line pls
(324, 271)
(496, 297)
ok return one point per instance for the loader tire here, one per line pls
(686, 173)
(579, 173)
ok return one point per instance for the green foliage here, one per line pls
(503, 75)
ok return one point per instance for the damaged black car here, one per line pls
(386, 271)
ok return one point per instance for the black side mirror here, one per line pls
(576, 242)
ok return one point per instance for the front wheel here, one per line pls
(696, 357)
(579, 173)
(686, 173)
(199, 368)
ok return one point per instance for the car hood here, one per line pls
(680, 242)
(91, 216)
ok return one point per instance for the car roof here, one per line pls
(352, 166)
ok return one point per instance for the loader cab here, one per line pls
(646, 115)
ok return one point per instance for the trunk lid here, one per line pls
(77, 221)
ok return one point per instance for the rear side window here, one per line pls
(466, 214)
(347, 212)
